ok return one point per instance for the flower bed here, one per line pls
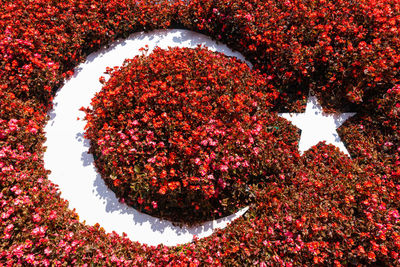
(183, 137)
(326, 209)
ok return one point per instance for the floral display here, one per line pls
(320, 208)
(184, 141)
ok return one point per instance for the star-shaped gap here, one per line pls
(317, 126)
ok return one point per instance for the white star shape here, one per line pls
(317, 126)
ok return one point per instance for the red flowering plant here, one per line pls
(174, 135)
(346, 51)
(378, 135)
(330, 210)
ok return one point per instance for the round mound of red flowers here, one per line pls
(179, 133)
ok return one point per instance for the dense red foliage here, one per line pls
(347, 51)
(184, 137)
(330, 210)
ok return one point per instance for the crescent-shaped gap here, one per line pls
(72, 168)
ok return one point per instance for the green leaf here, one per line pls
(136, 169)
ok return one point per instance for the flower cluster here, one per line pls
(173, 133)
(41, 43)
(322, 209)
(346, 51)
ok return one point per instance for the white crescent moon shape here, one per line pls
(72, 168)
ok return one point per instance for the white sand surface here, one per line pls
(317, 126)
(72, 168)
